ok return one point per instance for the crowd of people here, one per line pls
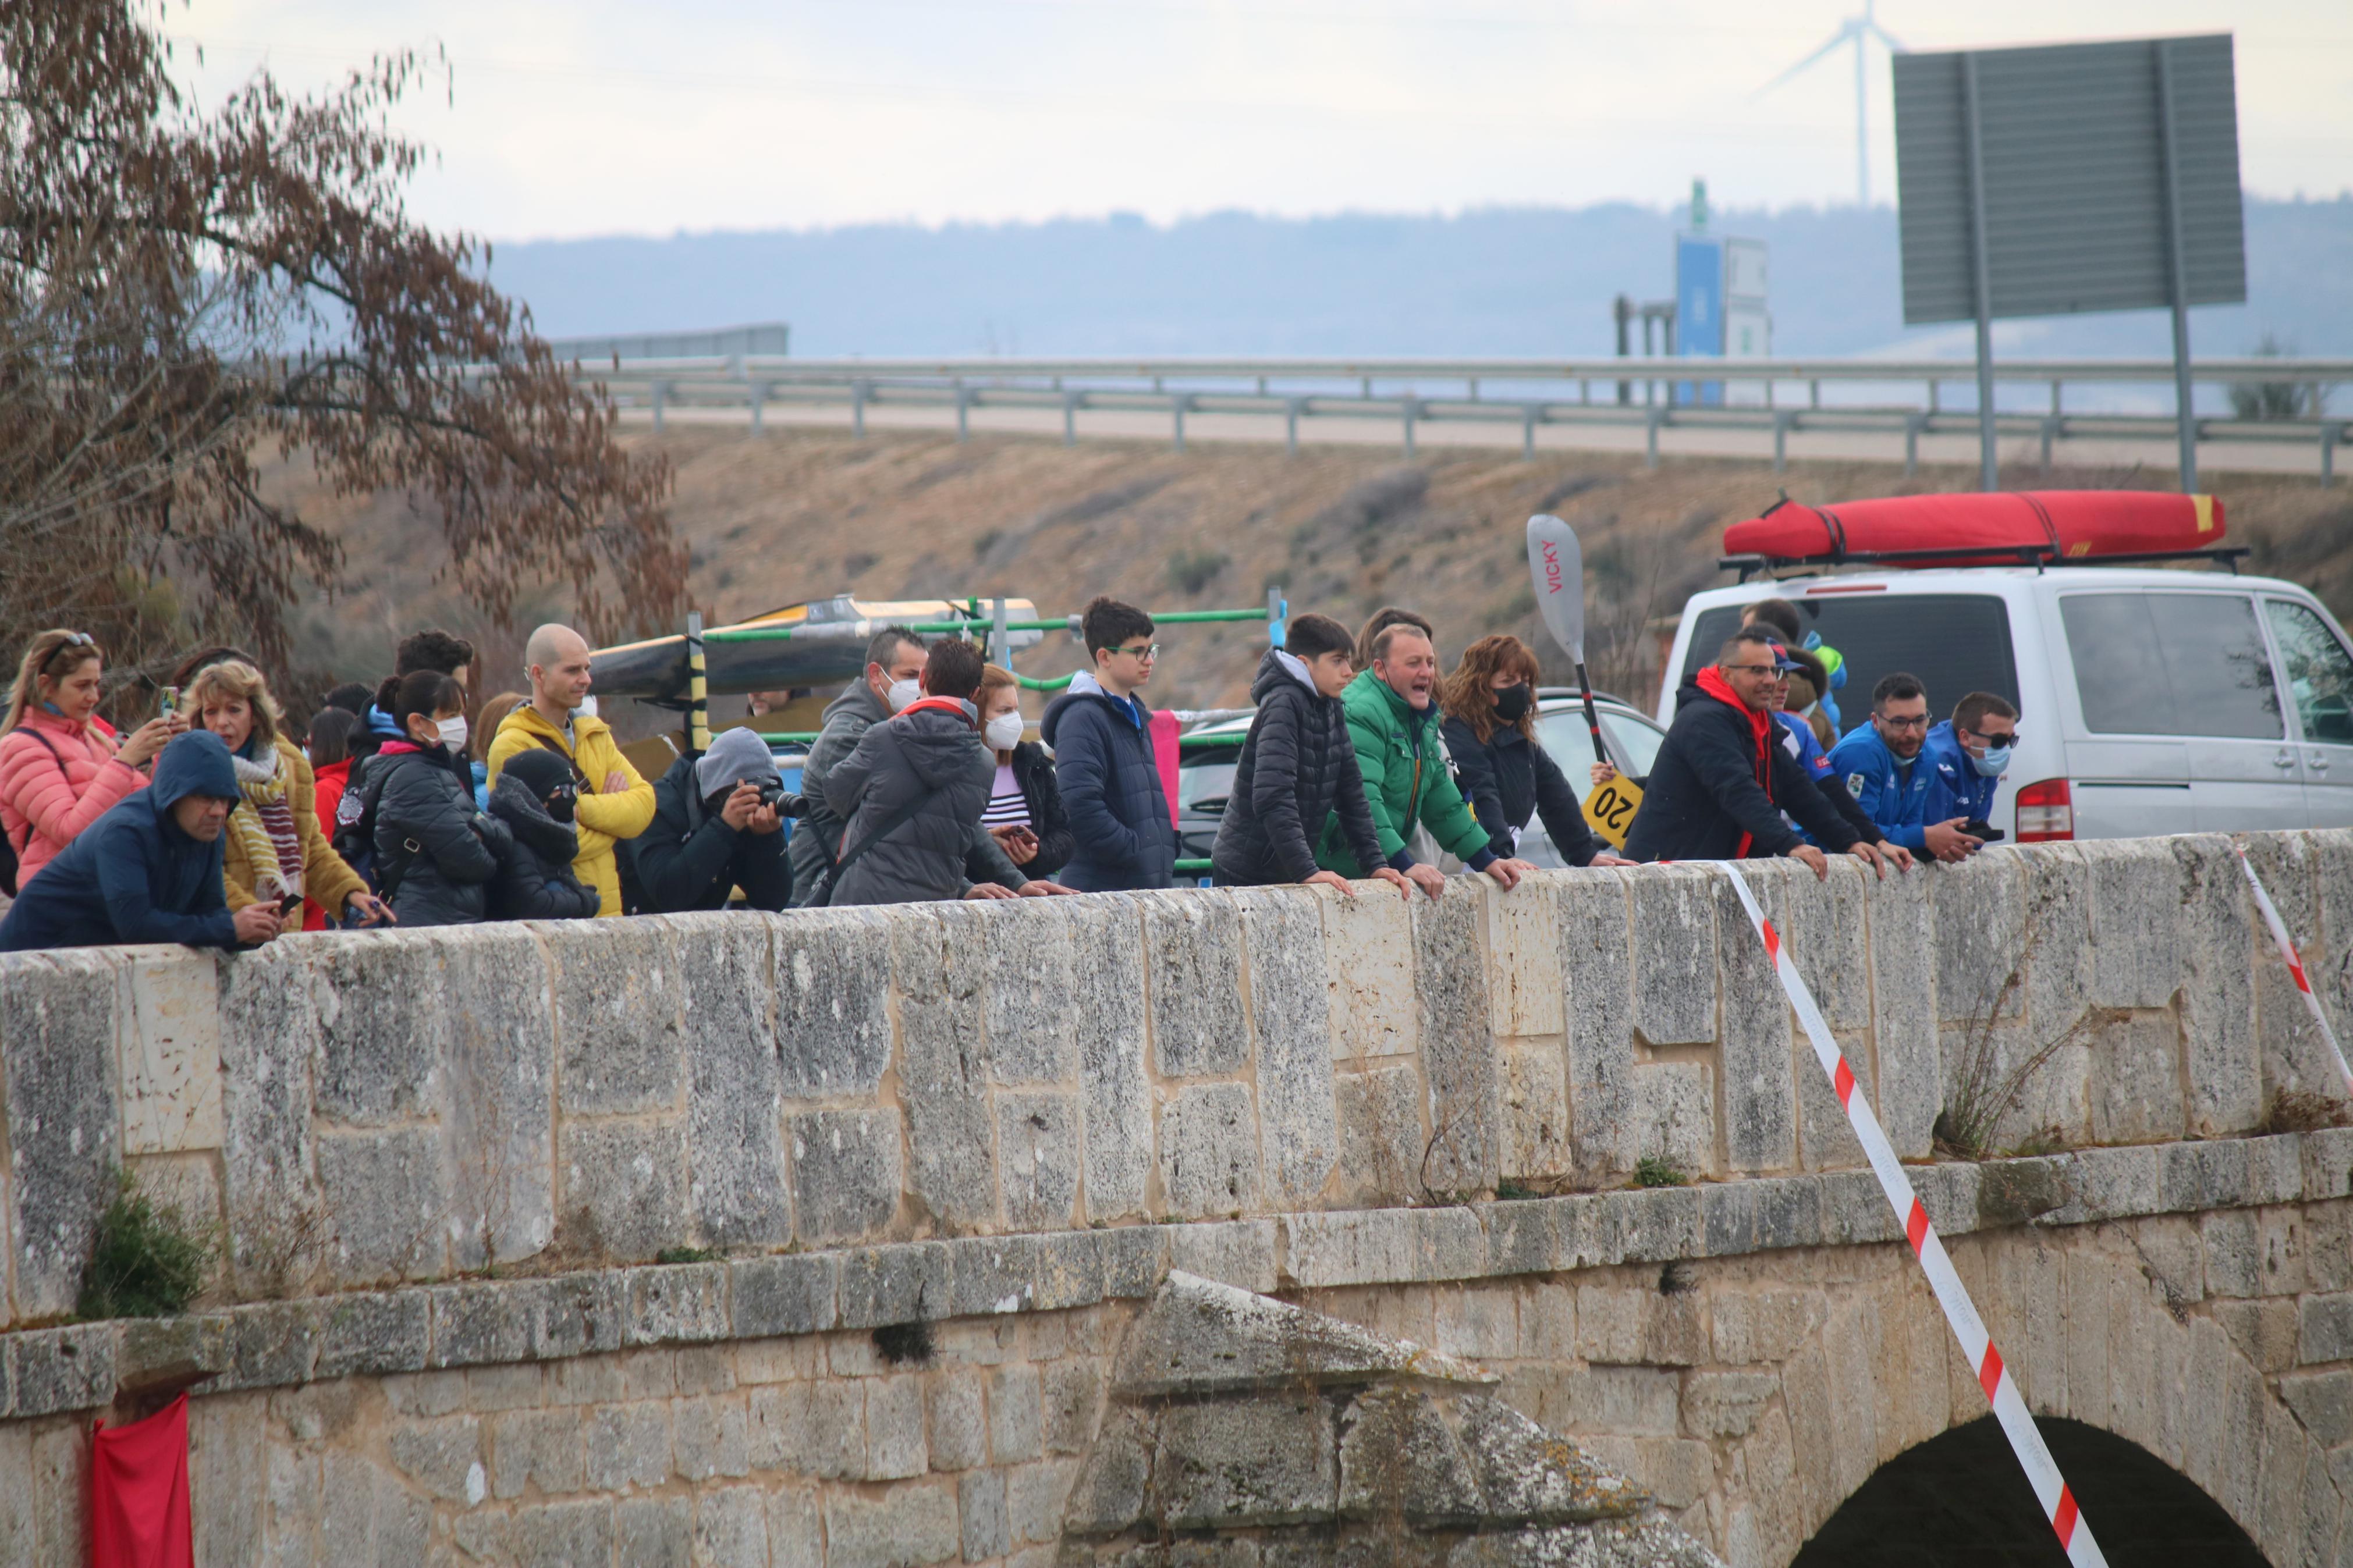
(209, 825)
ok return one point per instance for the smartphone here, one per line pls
(171, 702)
(1977, 827)
(289, 904)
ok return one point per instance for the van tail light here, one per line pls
(2045, 813)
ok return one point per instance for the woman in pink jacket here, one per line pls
(60, 768)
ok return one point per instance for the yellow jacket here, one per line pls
(327, 881)
(600, 817)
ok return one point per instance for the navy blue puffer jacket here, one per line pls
(1118, 813)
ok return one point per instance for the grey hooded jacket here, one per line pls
(935, 756)
(817, 837)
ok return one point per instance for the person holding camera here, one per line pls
(717, 826)
(533, 799)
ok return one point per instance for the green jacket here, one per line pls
(1405, 780)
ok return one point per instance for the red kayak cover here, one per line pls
(139, 1493)
(2078, 524)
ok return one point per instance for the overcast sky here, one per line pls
(562, 117)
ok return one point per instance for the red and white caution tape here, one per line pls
(2051, 1488)
(2296, 966)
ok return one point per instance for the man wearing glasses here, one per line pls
(1880, 764)
(1100, 733)
(1723, 780)
(1967, 755)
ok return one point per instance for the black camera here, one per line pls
(774, 793)
(1978, 827)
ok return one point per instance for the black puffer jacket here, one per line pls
(535, 881)
(929, 754)
(1703, 794)
(1033, 770)
(691, 859)
(1297, 767)
(1122, 835)
(427, 834)
(1508, 778)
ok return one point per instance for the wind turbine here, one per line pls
(1858, 31)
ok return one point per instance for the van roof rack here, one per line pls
(2035, 556)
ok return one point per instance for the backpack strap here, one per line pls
(888, 824)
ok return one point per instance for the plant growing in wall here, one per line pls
(147, 1260)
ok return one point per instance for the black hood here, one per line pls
(1274, 675)
(512, 803)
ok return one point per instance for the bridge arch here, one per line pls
(1961, 1500)
(2147, 1385)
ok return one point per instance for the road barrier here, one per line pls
(2296, 967)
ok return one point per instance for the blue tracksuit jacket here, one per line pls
(1955, 786)
(1891, 796)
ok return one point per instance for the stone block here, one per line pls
(444, 1456)
(1033, 1031)
(1369, 955)
(682, 1303)
(54, 1370)
(1381, 1135)
(1727, 1404)
(498, 1093)
(814, 1428)
(1458, 1050)
(937, 953)
(833, 1020)
(796, 1527)
(2136, 1076)
(904, 1283)
(1016, 1414)
(475, 1324)
(1208, 1152)
(731, 1525)
(1289, 991)
(735, 1157)
(386, 1332)
(1762, 1326)
(227, 1481)
(1535, 1112)
(2323, 1328)
(624, 1188)
(383, 1021)
(619, 1012)
(1855, 1212)
(170, 1050)
(1524, 980)
(550, 1534)
(708, 1438)
(908, 1525)
(896, 1447)
(846, 1173)
(272, 1343)
(1231, 1463)
(1072, 1392)
(1673, 913)
(2323, 1401)
(1193, 945)
(770, 1296)
(1980, 939)
(537, 1447)
(980, 1515)
(387, 1201)
(1823, 923)
(1037, 1157)
(958, 1430)
(1241, 1253)
(628, 1445)
(1759, 1126)
(1672, 1109)
(59, 1017)
(996, 1274)
(1591, 909)
(270, 1043)
(2135, 922)
(1133, 1258)
(1397, 1456)
(1115, 1092)
(2223, 1083)
(1908, 1084)
(579, 1314)
(1826, 1138)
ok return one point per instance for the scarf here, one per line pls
(1760, 728)
(264, 823)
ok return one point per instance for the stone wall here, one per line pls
(360, 1111)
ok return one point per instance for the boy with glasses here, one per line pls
(1100, 733)
(1880, 765)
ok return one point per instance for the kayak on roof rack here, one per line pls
(2003, 529)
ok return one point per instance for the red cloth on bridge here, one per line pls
(139, 1493)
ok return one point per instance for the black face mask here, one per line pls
(559, 805)
(1512, 704)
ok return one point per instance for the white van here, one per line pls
(2150, 700)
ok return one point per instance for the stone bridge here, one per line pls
(947, 1233)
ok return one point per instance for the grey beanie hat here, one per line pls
(734, 755)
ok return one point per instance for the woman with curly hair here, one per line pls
(1490, 703)
(274, 849)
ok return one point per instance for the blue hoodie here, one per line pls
(132, 876)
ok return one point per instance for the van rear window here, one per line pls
(2171, 664)
(1955, 643)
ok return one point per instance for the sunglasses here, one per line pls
(1993, 740)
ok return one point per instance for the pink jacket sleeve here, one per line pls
(38, 790)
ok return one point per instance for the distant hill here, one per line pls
(1497, 281)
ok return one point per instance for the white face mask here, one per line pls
(902, 692)
(587, 709)
(453, 732)
(1004, 731)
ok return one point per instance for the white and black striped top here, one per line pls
(1007, 805)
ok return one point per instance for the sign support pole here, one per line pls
(1981, 277)
(2185, 415)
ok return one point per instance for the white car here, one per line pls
(2150, 700)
